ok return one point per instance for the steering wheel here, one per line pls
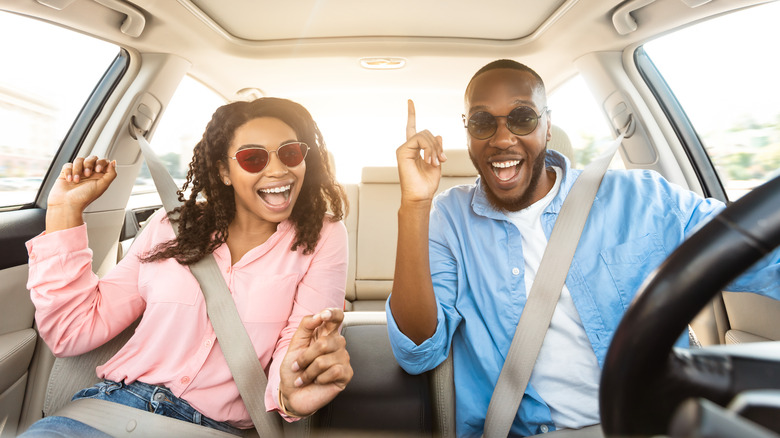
(643, 379)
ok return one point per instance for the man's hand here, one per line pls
(316, 367)
(419, 174)
(412, 302)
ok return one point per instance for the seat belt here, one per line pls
(543, 297)
(221, 309)
(122, 421)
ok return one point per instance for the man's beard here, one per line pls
(522, 201)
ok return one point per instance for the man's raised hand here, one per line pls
(419, 162)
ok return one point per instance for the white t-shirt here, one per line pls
(566, 374)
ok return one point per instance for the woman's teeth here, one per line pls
(276, 189)
(275, 195)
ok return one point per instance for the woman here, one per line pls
(262, 168)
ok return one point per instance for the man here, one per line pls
(466, 260)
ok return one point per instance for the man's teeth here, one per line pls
(506, 170)
(504, 164)
(281, 189)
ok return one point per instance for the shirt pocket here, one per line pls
(269, 300)
(631, 262)
(163, 282)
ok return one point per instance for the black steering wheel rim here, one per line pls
(670, 298)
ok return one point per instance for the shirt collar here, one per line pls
(282, 234)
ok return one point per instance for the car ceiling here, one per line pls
(263, 21)
(310, 50)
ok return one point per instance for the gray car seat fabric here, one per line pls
(71, 374)
(442, 387)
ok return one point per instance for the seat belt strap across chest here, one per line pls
(543, 297)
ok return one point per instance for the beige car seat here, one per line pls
(379, 197)
(560, 141)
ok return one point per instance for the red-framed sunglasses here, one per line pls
(254, 159)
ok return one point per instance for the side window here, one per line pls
(48, 74)
(723, 73)
(181, 127)
(574, 110)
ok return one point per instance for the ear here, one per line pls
(224, 172)
(549, 125)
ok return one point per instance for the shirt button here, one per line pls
(207, 343)
(185, 380)
(544, 428)
(515, 271)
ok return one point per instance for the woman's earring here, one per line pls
(227, 181)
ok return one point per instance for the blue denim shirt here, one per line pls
(637, 219)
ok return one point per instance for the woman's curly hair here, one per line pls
(203, 226)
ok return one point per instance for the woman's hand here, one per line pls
(316, 367)
(78, 184)
(419, 162)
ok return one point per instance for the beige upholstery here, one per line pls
(737, 318)
(711, 324)
(71, 374)
(751, 317)
(17, 347)
(740, 337)
(351, 222)
(379, 197)
(16, 351)
(442, 388)
(560, 142)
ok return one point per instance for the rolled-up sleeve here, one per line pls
(413, 358)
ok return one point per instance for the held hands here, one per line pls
(78, 184)
(316, 367)
(419, 174)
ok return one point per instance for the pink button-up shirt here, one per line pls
(174, 344)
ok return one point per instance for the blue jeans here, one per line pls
(156, 399)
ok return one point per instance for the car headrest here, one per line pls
(458, 164)
(560, 142)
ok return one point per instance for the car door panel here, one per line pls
(752, 318)
(135, 219)
(17, 227)
(17, 337)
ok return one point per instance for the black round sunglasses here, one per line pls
(522, 120)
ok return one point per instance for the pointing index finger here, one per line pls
(411, 124)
